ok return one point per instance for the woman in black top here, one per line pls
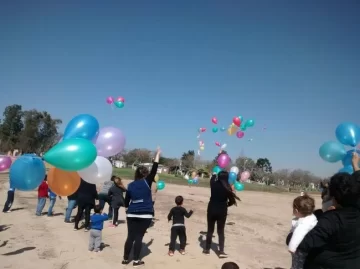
(221, 198)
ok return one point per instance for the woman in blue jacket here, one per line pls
(140, 209)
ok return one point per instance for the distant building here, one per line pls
(161, 168)
(119, 164)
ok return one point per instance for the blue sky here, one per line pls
(291, 66)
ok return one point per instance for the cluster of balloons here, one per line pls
(118, 102)
(238, 123)
(191, 181)
(233, 177)
(347, 134)
(82, 153)
(5, 162)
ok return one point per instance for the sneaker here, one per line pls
(182, 252)
(171, 253)
(206, 252)
(9, 211)
(67, 221)
(112, 225)
(138, 263)
(222, 255)
(87, 229)
(125, 262)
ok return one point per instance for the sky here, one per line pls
(292, 66)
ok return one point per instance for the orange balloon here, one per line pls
(63, 183)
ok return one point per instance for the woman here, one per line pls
(104, 196)
(140, 210)
(116, 196)
(221, 198)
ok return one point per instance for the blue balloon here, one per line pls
(82, 126)
(27, 173)
(232, 177)
(347, 169)
(348, 134)
(332, 152)
(347, 160)
(216, 170)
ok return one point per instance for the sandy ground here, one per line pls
(255, 234)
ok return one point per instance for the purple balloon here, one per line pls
(5, 162)
(240, 134)
(111, 141)
(223, 160)
(109, 100)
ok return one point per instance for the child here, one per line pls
(304, 221)
(177, 214)
(116, 194)
(97, 224)
(43, 191)
(52, 197)
(230, 265)
(9, 200)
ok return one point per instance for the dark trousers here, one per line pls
(9, 201)
(103, 198)
(220, 219)
(81, 208)
(175, 232)
(115, 215)
(154, 207)
(136, 230)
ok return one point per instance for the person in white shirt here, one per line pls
(304, 222)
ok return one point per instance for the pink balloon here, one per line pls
(121, 99)
(217, 144)
(245, 176)
(240, 134)
(109, 100)
(223, 160)
(214, 120)
(5, 162)
(202, 130)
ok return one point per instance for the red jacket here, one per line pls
(43, 190)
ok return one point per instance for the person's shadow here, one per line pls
(19, 251)
(202, 243)
(4, 227)
(145, 251)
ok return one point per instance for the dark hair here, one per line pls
(223, 177)
(345, 188)
(97, 209)
(305, 205)
(113, 178)
(45, 178)
(230, 265)
(141, 172)
(179, 200)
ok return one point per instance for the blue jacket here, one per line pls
(139, 194)
(97, 221)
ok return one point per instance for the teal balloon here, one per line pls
(160, 185)
(347, 169)
(119, 104)
(249, 123)
(243, 127)
(190, 181)
(215, 129)
(216, 170)
(72, 154)
(222, 129)
(238, 186)
(241, 118)
(332, 152)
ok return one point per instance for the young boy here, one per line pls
(9, 200)
(43, 193)
(97, 224)
(230, 265)
(177, 214)
(52, 197)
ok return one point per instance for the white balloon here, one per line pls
(234, 169)
(186, 177)
(223, 146)
(98, 172)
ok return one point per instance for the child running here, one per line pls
(116, 194)
(304, 222)
(177, 214)
(97, 224)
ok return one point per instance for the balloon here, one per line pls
(110, 142)
(249, 123)
(156, 178)
(72, 154)
(232, 177)
(223, 160)
(27, 172)
(234, 169)
(119, 104)
(202, 148)
(215, 129)
(202, 130)
(240, 134)
(214, 120)
(98, 172)
(347, 160)
(216, 170)
(186, 177)
(243, 127)
(232, 129)
(332, 152)
(237, 121)
(347, 169)
(5, 162)
(121, 99)
(245, 176)
(63, 183)
(223, 146)
(348, 134)
(82, 126)
(238, 186)
(217, 144)
(109, 100)
(241, 118)
(190, 181)
(160, 185)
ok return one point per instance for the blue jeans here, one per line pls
(69, 209)
(51, 206)
(40, 205)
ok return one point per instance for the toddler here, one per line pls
(96, 224)
(177, 214)
(304, 221)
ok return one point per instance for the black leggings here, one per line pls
(9, 201)
(115, 215)
(220, 219)
(81, 208)
(136, 230)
